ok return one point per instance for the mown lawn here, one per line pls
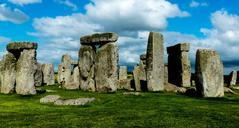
(118, 110)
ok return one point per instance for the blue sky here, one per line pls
(57, 25)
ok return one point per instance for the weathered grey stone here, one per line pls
(38, 76)
(75, 80)
(179, 69)
(124, 84)
(140, 78)
(209, 74)
(17, 47)
(8, 73)
(74, 63)
(232, 78)
(143, 57)
(155, 62)
(25, 70)
(75, 102)
(64, 71)
(123, 73)
(48, 74)
(106, 68)
(99, 38)
(165, 73)
(86, 67)
(49, 99)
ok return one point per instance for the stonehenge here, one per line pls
(155, 62)
(179, 69)
(209, 74)
(97, 68)
(98, 62)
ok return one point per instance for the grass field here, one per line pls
(118, 110)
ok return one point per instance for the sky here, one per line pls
(57, 25)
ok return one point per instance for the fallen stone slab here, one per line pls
(132, 93)
(77, 102)
(57, 100)
(99, 38)
(49, 99)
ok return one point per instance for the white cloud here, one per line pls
(68, 3)
(195, 4)
(132, 15)
(12, 15)
(130, 19)
(4, 39)
(24, 2)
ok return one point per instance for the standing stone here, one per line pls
(64, 71)
(179, 69)
(38, 76)
(76, 78)
(165, 73)
(209, 74)
(124, 82)
(26, 68)
(139, 74)
(106, 68)
(123, 74)
(8, 73)
(232, 78)
(155, 62)
(87, 68)
(48, 74)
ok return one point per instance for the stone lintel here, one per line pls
(179, 48)
(99, 38)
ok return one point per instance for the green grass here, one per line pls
(118, 110)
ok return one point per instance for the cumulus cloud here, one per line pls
(24, 2)
(4, 39)
(195, 4)
(12, 15)
(130, 19)
(221, 37)
(68, 3)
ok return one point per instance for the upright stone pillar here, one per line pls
(38, 75)
(48, 74)
(8, 73)
(87, 55)
(232, 78)
(26, 68)
(209, 74)
(124, 82)
(105, 63)
(64, 71)
(123, 73)
(139, 74)
(179, 69)
(155, 62)
(165, 73)
(106, 68)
